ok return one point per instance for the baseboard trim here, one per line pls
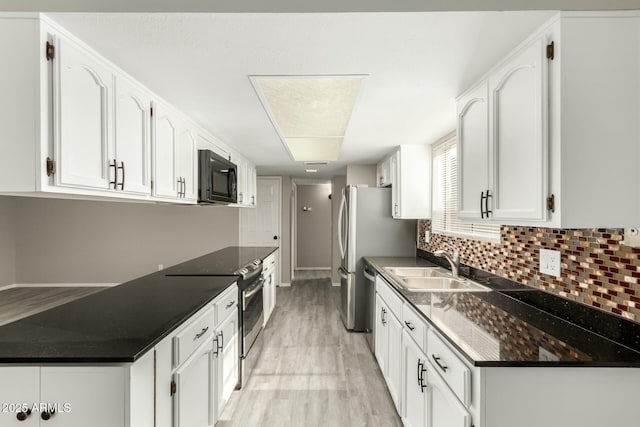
(59, 285)
(313, 268)
(284, 285)
(335, 284)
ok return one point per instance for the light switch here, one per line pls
(550, 262)
(427, 236)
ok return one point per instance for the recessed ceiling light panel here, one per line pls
(310, 113)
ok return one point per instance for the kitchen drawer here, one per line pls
(269, 262)
(192, 336)
(415, 326)
(449, 366)
(393, 300)
(226, 303)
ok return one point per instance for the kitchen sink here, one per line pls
(440, 284)
(405, 272)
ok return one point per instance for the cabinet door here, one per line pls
(164, 367)
(394, 360)
(193, 400)
(132, 143)
(21, 386)
(518, 136)
(473, 151)
(226, 361)
(415, 402)
(165, 143)
(187, 163)
(82, 97)
(242, 181)
(382, 334)
(253, 196)
(84, 395)
(446, 409)
(394, 172)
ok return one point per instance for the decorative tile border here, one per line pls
(596, 269)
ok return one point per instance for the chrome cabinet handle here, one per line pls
(115, 174)
(230, 304)
(481, 207)
(202, 332)
(421, 372)
(437, 360)
(220, 342)
(22, 415)
(409, 325)
(121, 184)
(383, 318)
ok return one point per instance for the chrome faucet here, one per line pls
(454, 260)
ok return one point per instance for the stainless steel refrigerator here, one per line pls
(366, 228)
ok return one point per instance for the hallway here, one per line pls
(312, 371)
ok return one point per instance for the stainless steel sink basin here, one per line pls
(403, 272)
(440, 284)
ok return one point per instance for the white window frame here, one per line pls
(444, 209)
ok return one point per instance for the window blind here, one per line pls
(444, 216)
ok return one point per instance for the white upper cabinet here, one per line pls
(552, 114)
(187, 163)
(132, 144)
(165, 149)
(247, 182)
(410, 170)
(473, 151)
(384, 172)
(518, 143)
(82, 94)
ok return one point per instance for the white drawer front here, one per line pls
(226, 304)
(393, 300)
(450, 367)
(415, 326)
(269, 262)
(192, 336)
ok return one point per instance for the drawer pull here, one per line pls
(220, 342)
(383, 318)
(409, 325)
(202, 332)
(22, 416)
(230, 304)
(437, 360)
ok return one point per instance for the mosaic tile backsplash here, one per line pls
(596, 269)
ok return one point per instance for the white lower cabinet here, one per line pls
(269, 275)
(192, 402)
(446, 409)
(415, 397)
(226, 362)
(388, 339)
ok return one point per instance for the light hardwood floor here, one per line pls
(312, 372)
(18, 303)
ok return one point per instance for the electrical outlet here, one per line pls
(550, 262)
(427, 236)
(160, 267)
(632, 237)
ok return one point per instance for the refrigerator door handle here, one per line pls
(343, 203)
(343, 273)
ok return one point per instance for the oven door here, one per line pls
(252, 315)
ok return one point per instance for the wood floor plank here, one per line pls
(21, 302)
(312, 372)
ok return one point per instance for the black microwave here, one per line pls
(218, 178)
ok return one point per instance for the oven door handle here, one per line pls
(249, 293)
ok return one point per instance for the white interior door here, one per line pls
(261, 226)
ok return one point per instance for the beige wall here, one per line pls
(7, 242)
(285, 232)
(313, 239)
(361, 175)
(83, 241)
(337, 185)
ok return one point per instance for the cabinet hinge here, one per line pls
(551, 51)
(51, 51)
(551, 203)
(51, 166)
(173, 388)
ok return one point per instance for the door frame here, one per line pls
(294, 221)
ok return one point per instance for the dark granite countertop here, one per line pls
(220, 263)
(120, 324)
(513, 325)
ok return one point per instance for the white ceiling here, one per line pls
(416, 63)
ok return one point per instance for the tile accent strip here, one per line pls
(596, 269)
